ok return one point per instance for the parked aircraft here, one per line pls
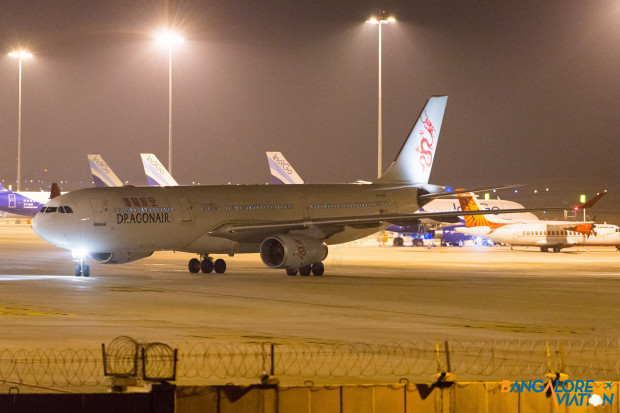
(547, 235)
(30, 203)
(281, 171)
(102, 174)
(289, 225)
(156, 173)
(22, 203)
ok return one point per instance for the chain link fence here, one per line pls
(213, 362)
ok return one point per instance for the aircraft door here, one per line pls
(98, 211)
(186, 210)
(12, 201)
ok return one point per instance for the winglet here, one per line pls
(414, 161)
(102, 173)
(281, 171)
(156, 172)
(55, 191)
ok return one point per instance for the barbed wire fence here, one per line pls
(214, 362)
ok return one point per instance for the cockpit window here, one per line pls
(50, 209)
(43, 210)
(68, 210)
(61, 209)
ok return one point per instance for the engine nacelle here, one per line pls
(292, 251)
(118, 257)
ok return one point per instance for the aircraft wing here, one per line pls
(249, 231)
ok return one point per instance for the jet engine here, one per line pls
(118, 257)
(292, 251)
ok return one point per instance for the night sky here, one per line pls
(534, 89)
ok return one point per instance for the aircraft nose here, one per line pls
(43, 226)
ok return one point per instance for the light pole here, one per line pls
(21, 54)
(380, 20)
(169, 39)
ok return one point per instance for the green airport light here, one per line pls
(582, 199)
(486, 196)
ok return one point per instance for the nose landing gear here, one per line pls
(82, 268)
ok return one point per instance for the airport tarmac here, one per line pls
(368, 294)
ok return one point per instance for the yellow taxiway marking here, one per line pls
(27, 311)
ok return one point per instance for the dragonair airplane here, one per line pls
(547, 235)
(289, 225)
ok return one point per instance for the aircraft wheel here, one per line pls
(544, 249)
(219, 266)
(206, 266)
(78, 270)
(556, 249)
(318, 269)
(291, 271)
(86, 270)
(398, 242)
(418, 242)
(305, 271)
(194, 265)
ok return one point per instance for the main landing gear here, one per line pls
(317, 269)
(82, 268)
(206, 265)
(554, 249)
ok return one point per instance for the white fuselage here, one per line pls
(548, 234)
(146, 219)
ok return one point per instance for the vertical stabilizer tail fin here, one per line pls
(281, 171)
(469, 202)
(2, 188)
(55, 191)
(102, 173)
(156, 172)
(415, 159)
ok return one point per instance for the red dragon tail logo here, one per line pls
(426, 147)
